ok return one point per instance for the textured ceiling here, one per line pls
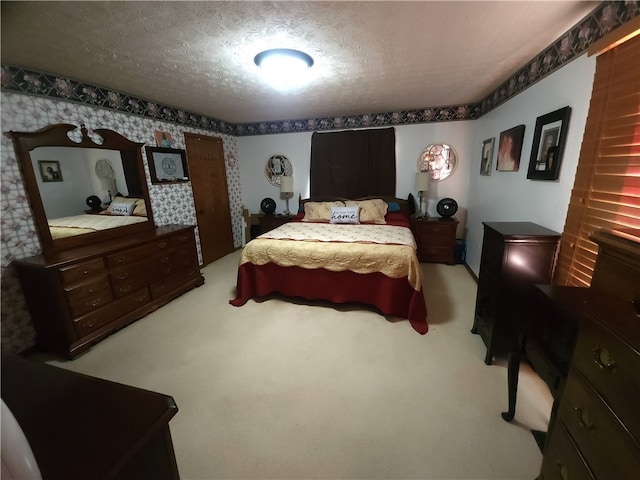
(370, 57)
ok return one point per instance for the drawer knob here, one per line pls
(636, 305)
(122, 276)
(88, 323)
(125, 289)
(582, 414)
(563, 470)
(94, 302)
(604, 359)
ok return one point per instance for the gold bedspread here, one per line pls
(387, 249)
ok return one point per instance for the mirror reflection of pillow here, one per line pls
(122, 208)
(140, 209)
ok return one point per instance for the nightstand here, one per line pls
(269, 222)
(436, 239)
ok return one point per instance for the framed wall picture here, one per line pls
(50, 170)
(548, 145)
(167, 165)
(509, 149)
(487, 157)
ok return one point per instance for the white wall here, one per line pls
(509, 196)
(253, 153)
(502, 196)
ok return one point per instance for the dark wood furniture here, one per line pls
(79, 296)
(435, 238)
(546, 341)
(596, 434)
(81, 427)
(515, 256)
(124, 156)
(269, 222)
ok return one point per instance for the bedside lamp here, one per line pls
(286, 189)
(422, 185)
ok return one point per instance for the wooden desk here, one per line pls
(547, 339)
(81, 427)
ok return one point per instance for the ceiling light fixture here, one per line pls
(284, 68)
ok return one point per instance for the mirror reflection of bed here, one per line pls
(87, 172)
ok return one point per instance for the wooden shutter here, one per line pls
(606, 191)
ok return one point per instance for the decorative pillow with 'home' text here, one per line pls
(345, 215)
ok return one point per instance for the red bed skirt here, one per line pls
(392, 296)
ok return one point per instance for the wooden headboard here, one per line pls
(403, 202)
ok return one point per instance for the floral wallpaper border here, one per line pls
(605, 18)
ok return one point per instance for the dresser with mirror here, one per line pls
(104, 263)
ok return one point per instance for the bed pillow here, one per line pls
(345, 215)
(122, 208)
(393, 207)
(371, 211)
(140, 209)
(319, 211)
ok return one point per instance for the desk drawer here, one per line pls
(600, 437)
(562, 460)
(613, 368)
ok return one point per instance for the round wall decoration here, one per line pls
(278, 166)
(439, 159)
(447, 207)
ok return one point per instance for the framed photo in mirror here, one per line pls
(50, 171)
(167, 165)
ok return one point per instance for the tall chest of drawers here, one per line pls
(515, 256)
(78, 297)
(596, 434)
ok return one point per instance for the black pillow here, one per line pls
(412, 204)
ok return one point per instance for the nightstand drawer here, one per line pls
(435, 239)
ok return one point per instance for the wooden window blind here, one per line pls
(606, 191)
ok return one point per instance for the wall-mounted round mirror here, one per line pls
(439, 159)
(278, 166)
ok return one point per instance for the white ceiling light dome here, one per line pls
(284, 69)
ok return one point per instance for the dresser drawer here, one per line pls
(88, 296)
(81, 271)
(610, 451)
(137, 254)
(167, 284)
(184, 257)
(184, 238)
(134, 276)
(103, 316)
(562, 460)
(613, 368)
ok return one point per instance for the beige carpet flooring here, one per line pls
(283, 390)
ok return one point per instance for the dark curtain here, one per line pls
(353, 163)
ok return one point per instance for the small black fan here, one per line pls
(268, 205)
(447, 207)
(94, 202)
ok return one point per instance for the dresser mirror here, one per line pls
(83, 188)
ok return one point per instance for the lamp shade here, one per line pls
(422, 181)
(286, 184)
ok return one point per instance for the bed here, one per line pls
(343, 251)
(121, 212)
